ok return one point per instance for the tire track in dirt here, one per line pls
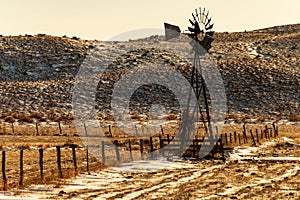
(260, 183)
(168, 184)
(134, 185)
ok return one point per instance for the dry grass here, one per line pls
(25, 136)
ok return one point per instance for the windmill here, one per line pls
(201, 33)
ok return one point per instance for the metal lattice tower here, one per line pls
(202, 34)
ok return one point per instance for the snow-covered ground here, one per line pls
(248, 173)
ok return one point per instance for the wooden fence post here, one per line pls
(221, 137)
(37, 128)
(253, 140)
(136, 130)
(117, 151)
(87, 159)
(239, 138)
(21, 167)
(266, 134)
(194, 149)
(230, 138)
(143, 130)
(162, 130)
(245, 134)
(257, 137)
(103, 152)
(141, 147)
(245, 138)
(12, 128)
(130, 150)
(217, 132)
(41, 155)
(161, 146)
(151, 144)
(59, 161)
(74, 158)
(226, 139)
(110, 131)
(3, 171)
(234, 136)
(60, 130)
(87, 150)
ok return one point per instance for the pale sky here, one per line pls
(102, 19)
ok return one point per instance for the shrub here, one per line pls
(10, 119)
(136, 117)
(26, 118)
(294, 118)
(171, 117)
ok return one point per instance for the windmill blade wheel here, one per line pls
(201, 28)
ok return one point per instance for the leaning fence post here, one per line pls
(59, 161)
(21, 167)
(3, 171)
(41, 155)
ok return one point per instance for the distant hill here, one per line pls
(260, 68)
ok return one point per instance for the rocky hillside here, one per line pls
(261, 72)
